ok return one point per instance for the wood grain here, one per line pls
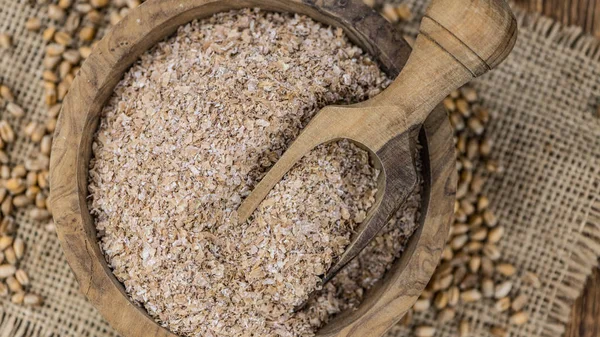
(384, 305)
(583, 13)
(585, 314)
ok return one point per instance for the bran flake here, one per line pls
(189, 131)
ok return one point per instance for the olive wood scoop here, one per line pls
(458, 41)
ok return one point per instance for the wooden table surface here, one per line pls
(584, 13)
(585, 316)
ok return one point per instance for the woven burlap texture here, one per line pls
(547, 137)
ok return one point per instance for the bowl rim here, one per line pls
(151, 22)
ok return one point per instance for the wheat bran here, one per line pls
(191, 128)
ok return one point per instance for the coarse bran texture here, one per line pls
(191, 128)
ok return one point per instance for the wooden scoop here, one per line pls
(458, 41)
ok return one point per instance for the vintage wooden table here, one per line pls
(586, 311)
(584, 13)
(585, 317)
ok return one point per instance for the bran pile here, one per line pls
(191, 129)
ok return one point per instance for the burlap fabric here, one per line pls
(546, 134)
(547, 137)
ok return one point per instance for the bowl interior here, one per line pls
(383, 306)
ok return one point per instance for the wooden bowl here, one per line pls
(383, 306)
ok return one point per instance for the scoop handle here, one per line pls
(458, 41)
